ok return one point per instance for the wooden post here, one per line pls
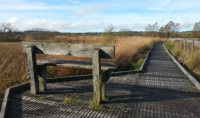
(192, 45)
(97, 77)
(184, 44)
(42, 78)
(32, 68)
(180, 44)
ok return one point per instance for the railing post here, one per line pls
(180, 44)
(192, 45)
(184, 44)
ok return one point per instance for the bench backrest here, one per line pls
(77, 50)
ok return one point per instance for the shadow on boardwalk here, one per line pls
(161, 91)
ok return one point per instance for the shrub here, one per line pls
(108, 35)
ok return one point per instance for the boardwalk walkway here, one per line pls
(161, 91)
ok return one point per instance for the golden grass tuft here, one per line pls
(12, 66)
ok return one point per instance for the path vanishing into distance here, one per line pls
(161, 91)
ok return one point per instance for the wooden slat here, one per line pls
(75, 64)
(77, 50)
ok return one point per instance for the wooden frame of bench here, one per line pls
(101, 71)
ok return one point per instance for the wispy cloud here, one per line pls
(35, 6)
(165, 2)
(90, 9)
(80, 16)
(24, 5)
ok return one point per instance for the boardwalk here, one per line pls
(161, 91)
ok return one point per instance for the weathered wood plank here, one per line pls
(97, 78)
(75, 64)
(78, 50)
(32, 70)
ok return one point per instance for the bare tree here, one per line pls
(7, 33)
(151, 29)
(170, 29)
(5, 27)
(196, 30)
(108, 34)
(124, 32)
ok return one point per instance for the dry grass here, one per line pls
(188, 57)
(13, 62)
(12, 66)
(129, 49)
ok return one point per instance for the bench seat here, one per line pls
(75, 64)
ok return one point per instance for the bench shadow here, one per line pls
(118, 93)
(147, 94)
(125, 93)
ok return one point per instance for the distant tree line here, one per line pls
(7, 33)
(171, 29)
(40, 35)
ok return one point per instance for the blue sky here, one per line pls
(94, 16)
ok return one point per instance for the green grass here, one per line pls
(41, 98)
(96, 106)
(69, 100)
(169, 45)
(138, 64)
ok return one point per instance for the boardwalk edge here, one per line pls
(192, 79)
(8, 93)
(146, 58)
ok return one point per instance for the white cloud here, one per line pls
(64, 26)
(12, 20)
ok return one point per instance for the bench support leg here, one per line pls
(97, 77)
(32, 70)
(103, 91)
(105, 78)
(42, 78)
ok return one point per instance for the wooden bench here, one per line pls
(37, 68)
